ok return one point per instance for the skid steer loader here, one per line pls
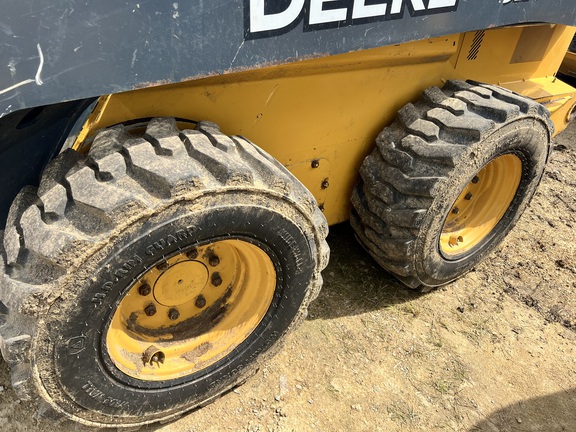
(153, 256)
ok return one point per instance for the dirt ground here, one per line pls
(493, 351)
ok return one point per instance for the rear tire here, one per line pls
(449, 179)
(155, 273)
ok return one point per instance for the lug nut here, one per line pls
(216, 279)
(200, 302)
(173, 314)
(468, 196)
(144, 290)
(162, 266)
(455, 210)
(315, 163)
(476, 179)
(325, 184)
(214, 260)
(150, 310)
(192, 254)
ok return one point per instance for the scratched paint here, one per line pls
(94, 48)
(37, 78)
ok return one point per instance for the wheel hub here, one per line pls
(191, 310)
(481, 205)
(181, 283)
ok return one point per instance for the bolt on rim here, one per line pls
(481, 205)
(191, 310)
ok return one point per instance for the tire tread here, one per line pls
(414, 157)
(84, 200)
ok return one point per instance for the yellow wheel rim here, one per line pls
(481, 205)
(190, 311)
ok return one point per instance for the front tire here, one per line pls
(159, 271)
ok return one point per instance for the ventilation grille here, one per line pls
(476, 44)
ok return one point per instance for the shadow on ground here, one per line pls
(353, 282)
(552, 413)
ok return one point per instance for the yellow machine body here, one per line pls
(320, 117)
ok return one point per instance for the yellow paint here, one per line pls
(481, 205)
(187, 314)
(183, 282)
(93, 123)
(317, 175)
(551, 92)
(332, 108)
(494, 62)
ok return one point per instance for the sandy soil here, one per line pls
(493, 351)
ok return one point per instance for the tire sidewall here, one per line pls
(86, 387)
(527, 138)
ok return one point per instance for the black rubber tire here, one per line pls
(424, 160)
(572, 47)
(110, 215)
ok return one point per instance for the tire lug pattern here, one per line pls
(83, 201)
(414, 158)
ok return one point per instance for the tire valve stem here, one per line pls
(455, 240)
(153, 355)
(156, 358)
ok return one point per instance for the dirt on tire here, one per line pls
(493, 351)
(405, 205)
(100, 223)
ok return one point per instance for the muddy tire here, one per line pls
(449, 179)
(156, 272)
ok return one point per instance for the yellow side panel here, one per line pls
(554, 94)
(331, 109)
(513, 53)
(328, 109)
